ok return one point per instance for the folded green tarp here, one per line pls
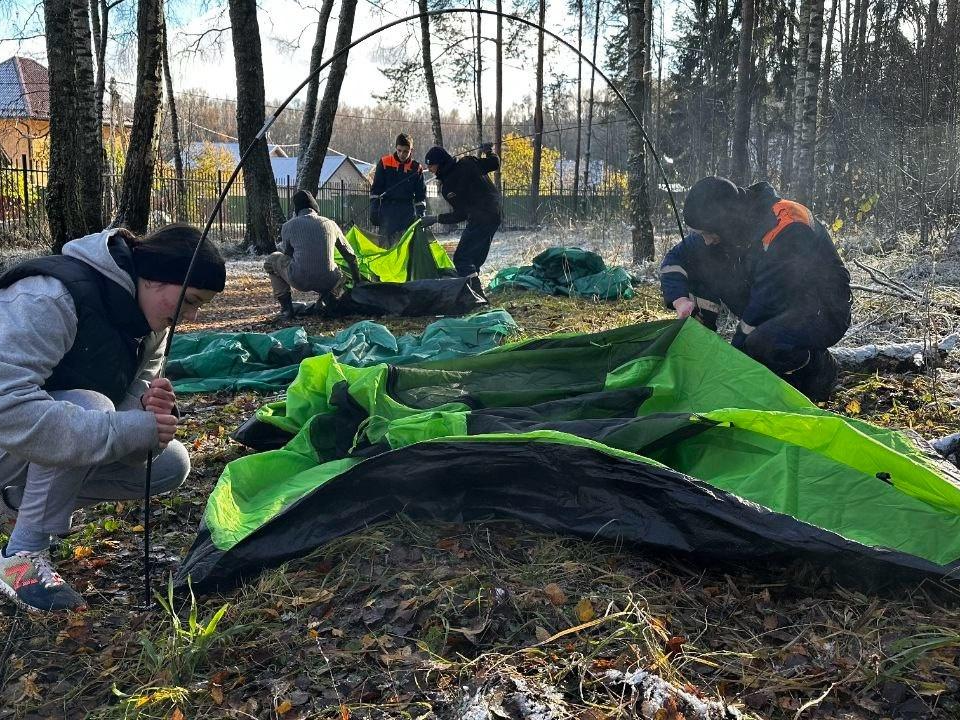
(206, 362)
(660, 434)
(416, 256)
(567, 271)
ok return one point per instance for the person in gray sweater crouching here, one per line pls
(305, 259)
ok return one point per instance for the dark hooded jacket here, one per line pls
(465, 185)
(783, 260)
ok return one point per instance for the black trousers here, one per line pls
(395, 218)
(474, 246)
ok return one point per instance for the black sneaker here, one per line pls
(32, 583)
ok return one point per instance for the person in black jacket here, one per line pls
(774, 265)
(398, 195)
(474, 198)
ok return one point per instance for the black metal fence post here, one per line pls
(26, 191)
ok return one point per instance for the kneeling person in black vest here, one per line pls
(81, 342)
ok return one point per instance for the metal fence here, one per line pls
(23, 213)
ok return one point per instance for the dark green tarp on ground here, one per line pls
(660, 434)
(206, 362)
(567, 271)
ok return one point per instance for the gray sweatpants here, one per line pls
(51, 494)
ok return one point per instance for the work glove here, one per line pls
(375, 213)
(486, 148)
(428, 220)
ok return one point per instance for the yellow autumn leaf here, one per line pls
(284, 707)
(137, 528)
(585, 611)
(82, 551)
(837, 225)
(853, 407)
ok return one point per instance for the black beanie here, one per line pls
(709, 204)
(165, 255)
(403, 140)
(302, 200)
(437, 156)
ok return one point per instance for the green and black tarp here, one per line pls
(414, 277)
(416, 256)
(659, 434)
(268, 362)
(567, 271)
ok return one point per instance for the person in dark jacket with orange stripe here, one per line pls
(774, 266)
(398, 195)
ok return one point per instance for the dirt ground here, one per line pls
(487, 620)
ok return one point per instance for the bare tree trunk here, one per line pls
(134, 205)
(313, 87)
(309, 177)
(741, 129)
(643, 248)
(428, 72)
(806, 167)
(479, 76)
(826, 117)
(498, 112)
(174, 131)
(538, 123)
(74, 183)
(264, 215)
(576, 151)
(799, 87)
(591, 99)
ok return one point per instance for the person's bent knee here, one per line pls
(87, 399)
(170, 468)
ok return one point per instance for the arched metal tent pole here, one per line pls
(277, 112)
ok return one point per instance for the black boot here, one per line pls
(286, 307)
(818, 378)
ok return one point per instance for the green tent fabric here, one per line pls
(659, 433)
(567, 271)
(416, 256)
(206, 362)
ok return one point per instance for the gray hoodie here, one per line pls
(38, 324)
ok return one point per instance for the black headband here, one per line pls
(207, 273)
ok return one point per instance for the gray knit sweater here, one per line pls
(311, 240)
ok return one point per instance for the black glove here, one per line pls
(486, 148)
(375, 213)
(420, 209)
(428, 220)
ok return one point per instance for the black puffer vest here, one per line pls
(106, 352)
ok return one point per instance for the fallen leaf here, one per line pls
(344, 712)
(177, 714)
(284, 707)
(82, 551)
(584, 611)
(675, 644)
(853, 407)
(216, 692)
(137, 529)
(555, 594)
(541, 633)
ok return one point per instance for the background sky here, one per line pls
(287, 29)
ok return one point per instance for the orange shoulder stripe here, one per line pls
(787, 212)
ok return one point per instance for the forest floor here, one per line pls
(497, 619)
